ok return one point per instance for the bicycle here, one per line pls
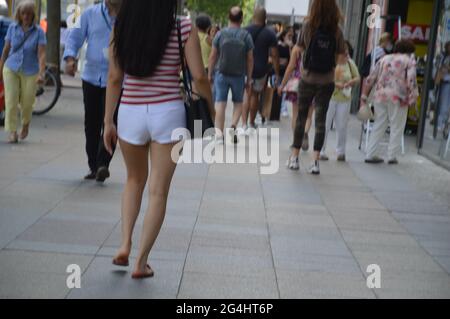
(47, 94)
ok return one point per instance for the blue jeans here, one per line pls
(223, 84)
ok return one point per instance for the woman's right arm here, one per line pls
(197, 69)
(115, 81)
(5, 55)
(295, 56)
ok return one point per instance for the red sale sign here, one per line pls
(415, 32)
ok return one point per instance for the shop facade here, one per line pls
(433, 136)
(427, 24)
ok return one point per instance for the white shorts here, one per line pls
(141, 124)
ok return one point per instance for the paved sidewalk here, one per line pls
(230, 232)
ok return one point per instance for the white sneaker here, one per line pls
(242, 131)
(293, 163)
(219, 140)
(251, 130)
(315, 168)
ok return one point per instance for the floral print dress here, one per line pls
(394, 81)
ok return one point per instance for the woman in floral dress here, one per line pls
(394, 80)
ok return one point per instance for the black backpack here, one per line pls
(320, 57)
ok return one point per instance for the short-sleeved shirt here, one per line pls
(344, 73)
(237, 33)
(264, 39)
(304, 40)
(24, 59)
(205, 47)
(163, 85)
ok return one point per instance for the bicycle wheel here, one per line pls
(47, 94)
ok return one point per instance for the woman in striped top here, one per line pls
(145, 62)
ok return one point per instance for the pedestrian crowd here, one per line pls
(131, 89)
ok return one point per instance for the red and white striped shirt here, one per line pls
(163, 86)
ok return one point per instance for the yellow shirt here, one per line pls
(205, 47)
(345, 73)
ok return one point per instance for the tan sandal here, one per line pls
(25, 132)
(13, 138)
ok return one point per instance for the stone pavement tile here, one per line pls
(303, 232)
(379, 222)
(17, 214)
(34, 189)
(386, 239)
(232, 228)
(413, 285)
(274, 195)
(170, 239)
(350, 200)
(381, 177)
(232, 211)
(229, 261)
(245, 171)
(412, 203)
(435, 247)
(444, 261)
(230, 240)
(336, 181)
(302, 217)
(424, 217)
(110, 252)
(399, 261)
(428, 231)
(285, 246)
(54, 231)
(234, 221)
(106, 281)
(214, 286)
(38, 246)
(322, 285)
(250, 199)
(315, 263)
(36, 275)
(83, 212)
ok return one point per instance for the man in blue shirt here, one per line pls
(95, 27)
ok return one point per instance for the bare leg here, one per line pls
(237, 113)
(254, 106)
(220, 115)
(136, 160)
(246, 109)
(162, 171)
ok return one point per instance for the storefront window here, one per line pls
(436, 143)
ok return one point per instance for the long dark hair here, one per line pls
(325, 14)
(141, 34)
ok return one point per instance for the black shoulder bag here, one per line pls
(197, 110)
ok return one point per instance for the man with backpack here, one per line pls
(265, 41)
(233, 53)
(320, 41)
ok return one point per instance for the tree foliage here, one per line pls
(218, 10)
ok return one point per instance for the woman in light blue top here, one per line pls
(22, 66)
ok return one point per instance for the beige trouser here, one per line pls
(393, 116)
(20, 89)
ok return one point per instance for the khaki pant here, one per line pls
(391, 116)
(19, 89)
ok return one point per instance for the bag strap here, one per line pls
(186, 83)
(258, 33)
(27, 36)
(351, 69)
